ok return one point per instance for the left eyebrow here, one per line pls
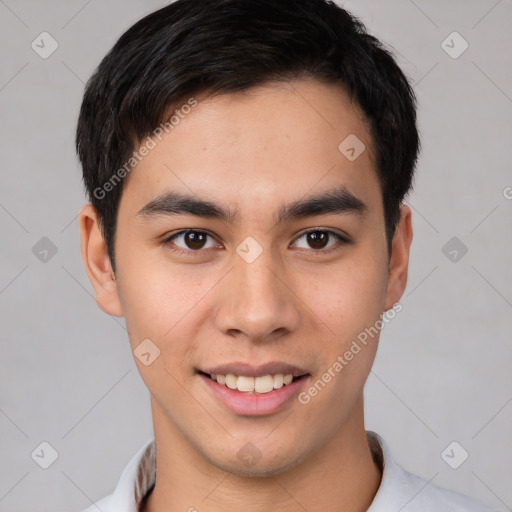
(337, 201)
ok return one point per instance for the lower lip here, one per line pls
(255, 404)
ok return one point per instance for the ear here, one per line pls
(399, 260)
(97, 262)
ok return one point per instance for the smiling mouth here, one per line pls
(253, 385)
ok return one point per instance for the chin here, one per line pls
(257, 466)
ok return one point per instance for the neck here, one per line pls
(341, 472)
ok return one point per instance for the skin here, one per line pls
(255, 151)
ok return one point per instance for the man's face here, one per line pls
(250, 290)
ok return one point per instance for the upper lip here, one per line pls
(249, 370)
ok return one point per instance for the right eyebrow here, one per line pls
(335, 201)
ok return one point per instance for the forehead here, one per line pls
(260, 147)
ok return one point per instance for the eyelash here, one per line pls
(341, 240)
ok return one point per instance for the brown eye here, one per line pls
(319, 240)
(194, 239)
(191, 240)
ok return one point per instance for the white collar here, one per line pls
(399, 490)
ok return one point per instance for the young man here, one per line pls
(246, 163)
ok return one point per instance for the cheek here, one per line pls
(162, 305)
(159, 301)
(349, 304)
(349, 297)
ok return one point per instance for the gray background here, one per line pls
(442, 372)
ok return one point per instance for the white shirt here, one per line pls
(398, 490)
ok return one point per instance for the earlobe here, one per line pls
(97, 262)
(399, 260)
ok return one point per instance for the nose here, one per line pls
(258, 301)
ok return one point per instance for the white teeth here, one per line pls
(278, 381)
(231, 381)
(245, 384)
(264, 384)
